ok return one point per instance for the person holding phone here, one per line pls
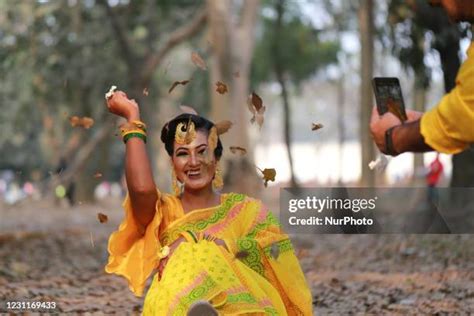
(449, 126)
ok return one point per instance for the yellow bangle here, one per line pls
(139, 124)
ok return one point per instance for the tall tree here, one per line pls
(289, 51)
(232, 26)
(68, 59)
(366, 30)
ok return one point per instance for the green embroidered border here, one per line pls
(201, 225)
(253, 259)
(269, 221)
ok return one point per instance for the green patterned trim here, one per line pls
(271, 311)
(199, 292)
(200, 225)
(269, 221)
(241, 297)
(253, 259)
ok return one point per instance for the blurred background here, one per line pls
(310, 61)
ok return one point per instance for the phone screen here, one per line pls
(389, 98)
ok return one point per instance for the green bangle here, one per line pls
(139, 135)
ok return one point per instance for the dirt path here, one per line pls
(58, 254)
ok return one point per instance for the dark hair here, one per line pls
(201, 124)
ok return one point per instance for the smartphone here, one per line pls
(388, 96)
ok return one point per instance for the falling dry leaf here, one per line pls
(223, 127)
(102, 218)
(317, 126)
(74, 120)
(184, 82)
(188, 109)
(257, 101)
(221, 87)
(198, 61)
(269, 174)
(145, 91)
(85, 121)
(255, 105)
(238, 150)
(97, 175)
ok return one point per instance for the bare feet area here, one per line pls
(57, 254)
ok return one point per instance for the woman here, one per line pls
(215, 253)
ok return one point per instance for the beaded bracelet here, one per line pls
(129, 135)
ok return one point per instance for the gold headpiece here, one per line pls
(185, 132)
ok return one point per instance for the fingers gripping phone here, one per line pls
(388, 96)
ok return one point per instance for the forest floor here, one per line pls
(58, 254)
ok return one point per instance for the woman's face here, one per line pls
(189, 161)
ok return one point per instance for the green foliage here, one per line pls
(57, 59)
(303, 51)
(415, 30)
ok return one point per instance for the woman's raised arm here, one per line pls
(140, 184)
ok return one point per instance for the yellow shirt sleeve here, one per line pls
(449, 127)
(133, 250)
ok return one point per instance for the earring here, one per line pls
(174, 183)
(218, 183)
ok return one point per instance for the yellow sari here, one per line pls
(258, 275)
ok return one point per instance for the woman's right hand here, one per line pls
(164, 261)
(119, 104)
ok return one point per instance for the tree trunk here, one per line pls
(232, 52)
(366, 29)
(279, 72)
(340, 125)
(420, 100)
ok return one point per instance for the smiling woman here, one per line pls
(214, 253)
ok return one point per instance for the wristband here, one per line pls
(389, 149)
